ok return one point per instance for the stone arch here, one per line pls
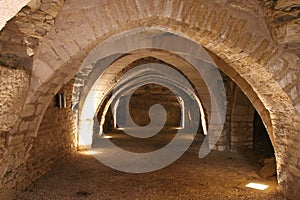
(139, 77)
(255, 60)
(107, 79)
(148, 76)
(177, 120)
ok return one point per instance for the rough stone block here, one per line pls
(15, 139)
(28, 110)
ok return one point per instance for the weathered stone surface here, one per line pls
(9, 9)
(287, 5)
(55, 139)
(234, 30)
(25, 31)
(241, 126)
(13, 89)
(269, 168)
(283, 20)
(15, 139)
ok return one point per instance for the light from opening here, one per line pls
(87, 152)
(107, 136)
(257, 186)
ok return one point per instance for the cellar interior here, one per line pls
(158, 99)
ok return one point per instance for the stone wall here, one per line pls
(223, 142)
(242, 116)
(13, 89)
(146, 96)
(235, 30)
(238, 127)
(283, 21)
(55, 140)
(23, 33)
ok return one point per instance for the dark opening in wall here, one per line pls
(108, 126)
(60, 101)
(261, 141)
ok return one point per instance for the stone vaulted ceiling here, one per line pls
(47, 40)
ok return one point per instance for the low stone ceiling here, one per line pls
(27, 27)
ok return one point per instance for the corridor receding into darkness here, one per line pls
(149, 99)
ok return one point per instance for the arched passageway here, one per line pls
(243, 43)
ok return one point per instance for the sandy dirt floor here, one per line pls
(220, 175)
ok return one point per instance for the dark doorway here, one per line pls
(261, 141)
